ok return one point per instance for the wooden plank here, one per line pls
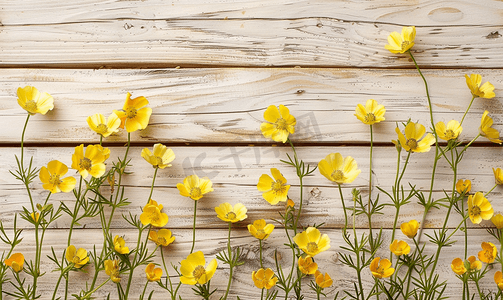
(227, 105)
(235, 177)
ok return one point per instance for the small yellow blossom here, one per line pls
(92, 162)
(260, 229)
(479, 208)
(399, 247)
(161, 157)
(290, 203)
(410, 228)
(485, 91)
(497, 221)
(381, 268)
(323, 281)
(280, 123)
(134, 115)
(77, 257)
(311, 241)
(15, 261)
(498, 279)
(112, 269)
(152, 215)
(458, 266)
(487, 131)
(498, 176)
(412, 140)
(31, 100)
(371, 113)
(488, 253)
(194, 271)
(102, 126)
(35, 216)
(449, 132)
(51, 175)
(120, 245)
(474, 263)
(153, 273)
(463, 186)
(195, 187)
(162, 237)
(227, 213)
(307, 265)
(264, 278)
(274, 190)
(338, 169)
(401, 43)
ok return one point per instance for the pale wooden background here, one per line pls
(209, 70)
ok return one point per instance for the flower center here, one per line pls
(312, 247)
(281, 124)
(54, 179)
(158, 161)
(102, 129)
(76, 259)
(85, 163)
(449, 134)
(131, 112)
(405, 45)
(337, 175)
(161, 241)
(31, 106)
(198, 272)
(370, 118)
(278, 186)
(195, 192)
(154, 217)
(412, 143)
(475, 211)
(231, 216)
(260, 232)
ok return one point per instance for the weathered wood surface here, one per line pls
(227, 105)
(247, 33)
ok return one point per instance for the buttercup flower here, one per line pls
(487, 131)
(135, 116)
(194, 271)
(15, 261)
(161, 157)
(153, 273)
(50, 176)
(463, 186)
(282, 123)
(104, 151)
(275, 190)
(484, 91)
(399, 247)
(264, 278)
(227, 213)
(290, 203)
(195, 187)
(412, 139)
(371, 113)
(307, 265)
(498, 279)
(92, 162)
(113, 270)
(260, 229)
(162, 237)
(381, 268)
(31, 100)
(76, 257)
(35, 216)
(458, 266)
(474, 263)
(401, 43)
(410, 228)
(120, 245)
(488, 253)
(311, 241)
(337, 169)
(498, 176)
(479, 208)
(323, 281)
(102, 126)
(449, 132)
(152, 215)
(497, 221)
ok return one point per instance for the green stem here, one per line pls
(490, 190)
(369, 215)
(262, 294)
(260, 252)
(22, 143)
(144, 289)
(152, 187)
(343, 208)
(194, 228)
(470, 105)
(396, 201)
(173, 297)
(231, 262)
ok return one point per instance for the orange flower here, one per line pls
(15, 261)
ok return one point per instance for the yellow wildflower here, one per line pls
(449, 132)
(120, 245)
(498, 279)
(264, 278)
(92, 162)
(463, 186)
(371, 113)
(50, 176)
(275, 190)
(381, 268)
(412, 140)
(76, 257)
(15, 261)
(104, 151)
(153, 273)
(479, 208)
(323, 281)
(162, 237)
(488, 253)
(458, 266)
(311, 241)
(410, 228)
(35, 216)
(227, 213)
(161, 157)
(498, 176)
(281, 123)
(31, 100)
(260, 229)
(401, 43)
(474, 263)
(497, 221)
(134, 115)
(290, 203)
(113, 270)
(484, 91)
(487, 131)
(194, 271)
(399, 247)
(338, 169)
(307, 265)
(152, 215)
(102, 126)
(195, 187)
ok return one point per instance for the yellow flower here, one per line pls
(410, 228)
(307, 265)
(153, 273)
(451, 132)
(290, 203)
(311, 241)
(399, 247)
(195, 187)
(194, 271)
(463, 186)
(282, 123)
(102, 126)
(479, 208)
(497, 221)
(498, 279)
(474, 263)
(92, 162)
(135, 116)
(412, 139)
(401, 43)
(104, 151)
(487, 131)
(162, 238)
(381, 268)
(458, 266)
(51, 177)
(488, 253)
(30, 99)
(323, 281)
(264, 278)
(120, 245)
(113, 270)
(76, 257)
(275, 190)
(484, 91)
(338, 169)
(498, 176)
(226, 213)
(35, 216)
(260, 229)
(161, 157)
(371, 113)
(152, 215)
(15, 261)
